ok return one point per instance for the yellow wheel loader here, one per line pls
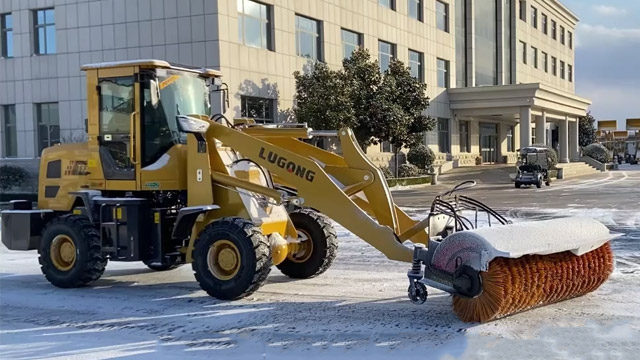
(162, 181)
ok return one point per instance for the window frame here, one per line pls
(391, 6)
(8, 129)
(545, 24)
(464, 135)
(524, 53)
(447, 28)
(268, 22)
(523, 10)
(420, 4)
(392, 55)
(511, 145)
(554, 66)
(318, 35)
(39, 123)
(5, 32)
(446, 69)
(554, 30)
(260, 120)
(563, 69)
(444, 135)
(36, 35)
(545, 61)
(562, 35)
(570, 39)
(420, 64)
(569, 72)
(534, 17)
(534, 55)
(359, 45)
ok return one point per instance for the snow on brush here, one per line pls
(356, 310)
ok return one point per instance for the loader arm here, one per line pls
(329, 183)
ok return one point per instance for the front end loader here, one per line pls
(164, 182)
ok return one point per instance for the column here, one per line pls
(541, 129)
(574, 141)
(563, 140)
(525, 126)
(471, 44)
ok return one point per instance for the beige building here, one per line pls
(500, 73)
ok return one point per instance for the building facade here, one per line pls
(500, 73)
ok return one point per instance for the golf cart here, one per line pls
(533, 167)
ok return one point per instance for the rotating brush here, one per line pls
(512, 285)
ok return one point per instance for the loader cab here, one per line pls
(135, 143)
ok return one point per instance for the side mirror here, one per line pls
(192, 125)
(155, 93)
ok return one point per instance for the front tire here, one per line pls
(231, 258)
(518, 185)
(321, 249)
(71, 252)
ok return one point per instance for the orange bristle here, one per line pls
(514, 285)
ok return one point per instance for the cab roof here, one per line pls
(152, 63)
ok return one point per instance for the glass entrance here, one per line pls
(489, 143)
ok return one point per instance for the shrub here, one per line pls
(552, 155)
(597, 152)
(421, 156)
(408, 170)
(11, 176)
(386, 172)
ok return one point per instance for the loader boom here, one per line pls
(341, 187)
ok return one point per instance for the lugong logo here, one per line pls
(288, 165)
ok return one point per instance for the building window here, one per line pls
(254, 25)
(442, 16)
(415, 9)
(570, 35)
(443, 73)
(534, 17)
(570, 72)
(386, 53)
(523, 51)
(545, 24)
(554, 66)
(259, 109)
(45, 32)
(308, 38)
(350, 42)
(464, 137)
(523, 10)
(416, 63)
(554, 30)
(386, 147)
(390, 4)
(6, 35)
(444, 145)
(48, 125)
(534, 57)
(510, 139)
(545, 59)
(562, 35)
(10, 136)
(562, 72)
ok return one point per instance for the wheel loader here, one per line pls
(163, 181)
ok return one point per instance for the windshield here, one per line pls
(181, 93)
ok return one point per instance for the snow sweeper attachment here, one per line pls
(500, 270)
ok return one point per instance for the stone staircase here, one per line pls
(576, 169)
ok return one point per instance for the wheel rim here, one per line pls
(63, 252)
(305, 248)
(223, 259)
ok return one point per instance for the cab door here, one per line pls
(119, 122)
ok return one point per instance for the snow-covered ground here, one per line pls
(357, 310)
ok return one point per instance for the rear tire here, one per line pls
(71, 252)
(245, 254)
(518, 185)
(324, 245)
(539, 184)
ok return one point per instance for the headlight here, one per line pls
(192, 125)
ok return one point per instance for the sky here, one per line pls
(608, 57)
